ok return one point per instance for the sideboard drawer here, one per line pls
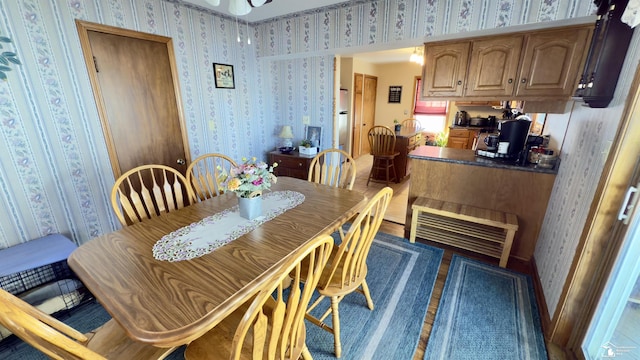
(293, 164)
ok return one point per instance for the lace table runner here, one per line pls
(208, 234)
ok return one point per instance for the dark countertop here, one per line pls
(479, 128)
(469, 157)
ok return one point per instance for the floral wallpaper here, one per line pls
(55, 174)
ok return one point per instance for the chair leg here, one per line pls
(367, 294)
(386, 168)
(306, 355)
(336, 326)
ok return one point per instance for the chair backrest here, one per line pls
(203, 172)
(148, 191)
(282, 334)
(333, 167)
(382, 140)
(410, 124)
(42, 331)
(350, 259)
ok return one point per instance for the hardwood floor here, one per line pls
(394, 225)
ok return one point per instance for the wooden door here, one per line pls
(445, 69)
(135, 86)
(356, 131)
(552, 61)
(368, 110)
(493, 66)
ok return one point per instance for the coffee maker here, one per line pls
(513, 136)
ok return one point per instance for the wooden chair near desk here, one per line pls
(203, 172)
(382, 141)
(410, 124)
(270, 327)
(60, 341)
(347, 269)
(148, 191)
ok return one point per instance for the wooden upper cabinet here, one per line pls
(494, 66)
(536, 65)
(551, 62)
(445, 70)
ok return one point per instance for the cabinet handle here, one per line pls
(459, 82)
(524, 81)
(510, 81)
(300, 164)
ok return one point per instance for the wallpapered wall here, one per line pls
(55, 174)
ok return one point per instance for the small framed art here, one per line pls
(314, 134)
(224, 76)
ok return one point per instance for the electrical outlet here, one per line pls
(306, 120)
(212, 125)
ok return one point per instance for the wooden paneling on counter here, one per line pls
(523, 193)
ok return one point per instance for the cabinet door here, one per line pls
(445, 69)
(457, 143)
(551, 62)
(494, 66)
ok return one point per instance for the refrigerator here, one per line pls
(343, 119)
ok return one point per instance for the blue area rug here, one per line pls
(401, 279)
(486, 312)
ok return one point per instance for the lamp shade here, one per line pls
(286, 132)
(239, 7)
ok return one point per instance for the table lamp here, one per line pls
(286, 134)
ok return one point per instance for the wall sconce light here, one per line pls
(286, 134)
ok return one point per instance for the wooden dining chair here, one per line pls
(203, 172)
(271, 326)
(346, 271)
(148, 191)
(382, 141)
(58, 340)
(411, 124)
(333, 167)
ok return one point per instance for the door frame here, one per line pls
(601, 237)
(83, 28)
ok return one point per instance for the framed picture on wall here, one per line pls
(314, 134)
(224, 76)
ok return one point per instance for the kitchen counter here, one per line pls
(459, 176)
(469, 157)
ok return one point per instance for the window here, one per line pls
(432, 115)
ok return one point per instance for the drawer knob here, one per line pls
(300, 164)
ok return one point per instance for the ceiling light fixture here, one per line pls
(417, 56)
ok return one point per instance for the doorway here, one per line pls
(364, 112)
(135, 86)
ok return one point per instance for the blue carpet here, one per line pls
(486, 312)
(401, 278)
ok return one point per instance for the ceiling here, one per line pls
(279, 8)
(276, 8)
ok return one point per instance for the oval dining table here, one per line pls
(169, 304)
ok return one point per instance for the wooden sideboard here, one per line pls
(293, 164)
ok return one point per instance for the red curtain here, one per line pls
(428, 107)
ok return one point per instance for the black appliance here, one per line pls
(515, 133)
(609, 44)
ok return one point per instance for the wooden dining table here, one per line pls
(172, 303)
